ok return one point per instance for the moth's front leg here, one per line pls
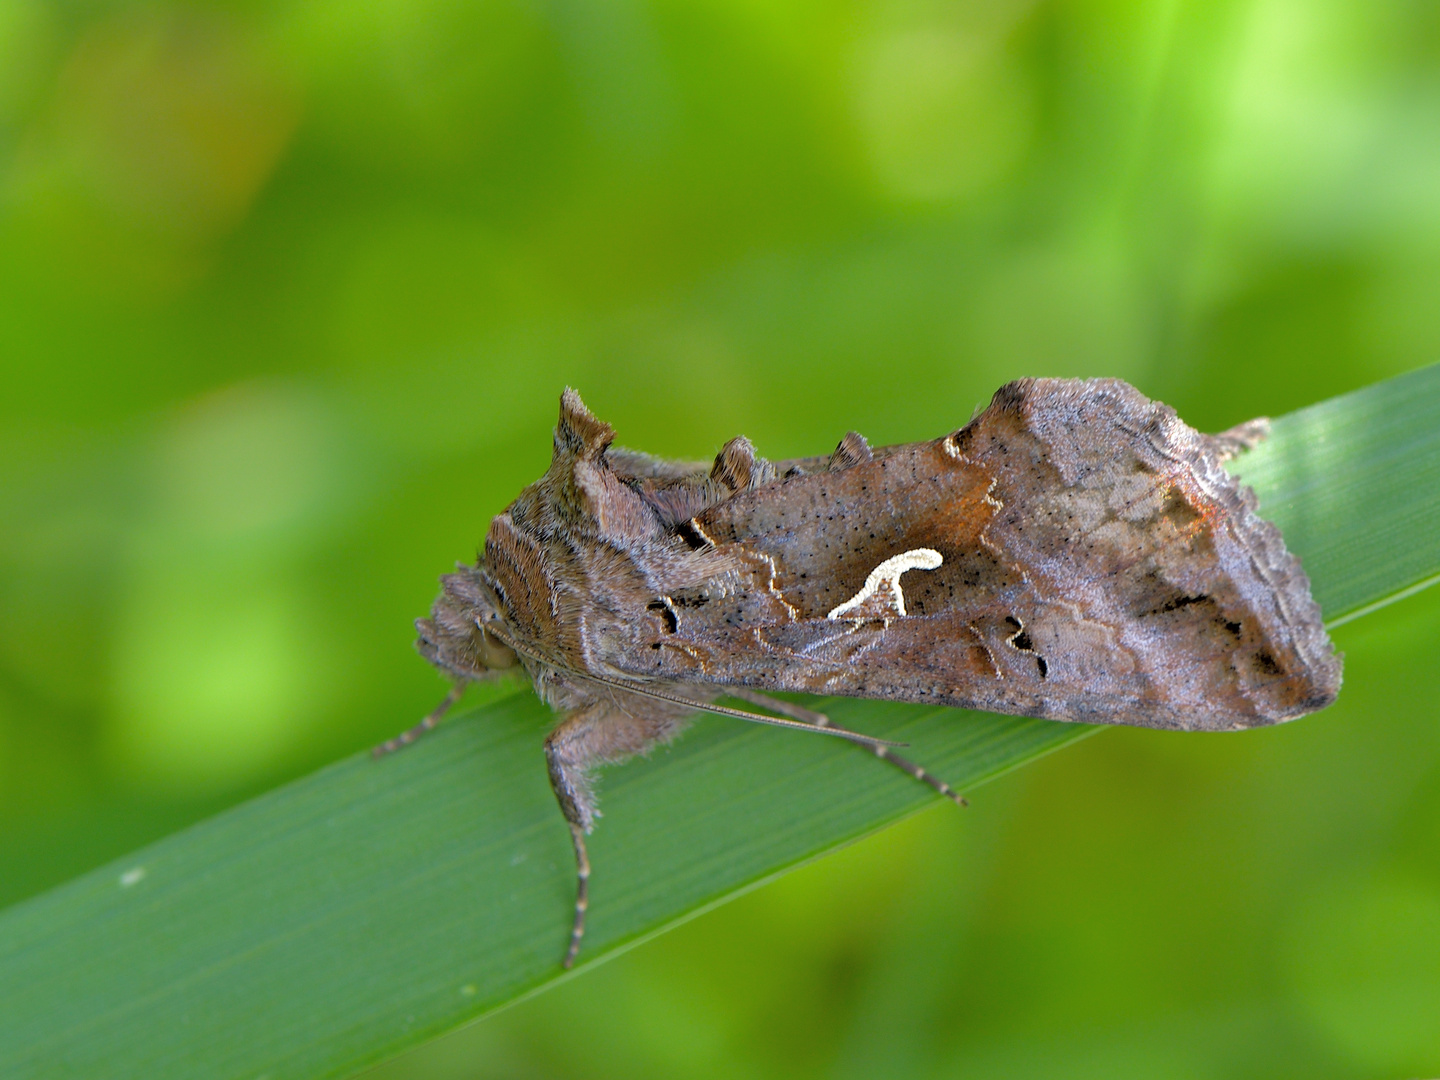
(433, 717)
(569, 755)
(594, 735)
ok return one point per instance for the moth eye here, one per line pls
(495, 654)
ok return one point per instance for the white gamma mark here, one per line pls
(887, 576)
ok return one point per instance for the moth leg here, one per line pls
(567, 755)
(405, 738)
(596, 735)
(784, 708)
(915, 772)
(884, 753)
(582, 895)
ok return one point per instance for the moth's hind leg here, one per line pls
(915, 772)
(598, 734)
(433, 717)
(883, 752)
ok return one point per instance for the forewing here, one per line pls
(1096, 563)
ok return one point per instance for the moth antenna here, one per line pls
(779, 705)
(739, 714)
(700, 706)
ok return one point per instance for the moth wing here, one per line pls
(636, 465)
(1075, 552)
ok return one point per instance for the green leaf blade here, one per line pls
(1352, 483)
(363, 908)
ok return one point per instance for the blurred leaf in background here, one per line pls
(287, 296)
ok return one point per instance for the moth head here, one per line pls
(465, 633)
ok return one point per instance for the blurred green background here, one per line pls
(288, 292)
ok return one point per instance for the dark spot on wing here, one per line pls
(1020, 641)
(1175, 603)
(1265, 664)
(666, 613)
(687, 531)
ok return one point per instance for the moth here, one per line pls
(1075, 552)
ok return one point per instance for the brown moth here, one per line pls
(1075, 552)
